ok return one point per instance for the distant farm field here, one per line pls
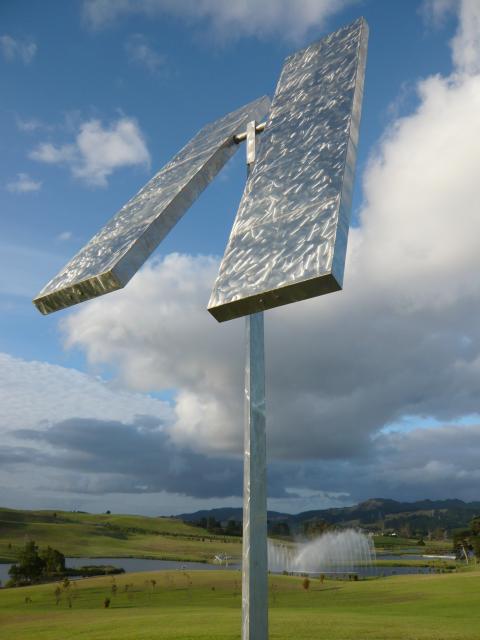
(105, 535)
(206, 604)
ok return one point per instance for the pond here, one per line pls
(130, 565)
(133, 565)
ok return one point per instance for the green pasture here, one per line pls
(94, 535)
(437, 564)
(111, 535)
(206, 605)
(397, 544)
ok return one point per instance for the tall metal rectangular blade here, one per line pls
(116, 253)
(289, 239)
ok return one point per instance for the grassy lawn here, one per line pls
(206, 604)
(80, 534)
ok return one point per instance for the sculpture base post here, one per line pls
(255, 560)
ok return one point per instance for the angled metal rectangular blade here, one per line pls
(116, 253)
(289, 239)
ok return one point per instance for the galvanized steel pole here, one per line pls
(254, 560)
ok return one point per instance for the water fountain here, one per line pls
(337, 552)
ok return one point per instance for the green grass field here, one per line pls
(400, 545)
(206, 605)
(109, 535)
(94, 535)
(447, 565)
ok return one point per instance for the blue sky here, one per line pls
(97, 96)
(190, 74)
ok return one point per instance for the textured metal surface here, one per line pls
(255, 554)
(255, 551)
(290, 234)
(114, 255)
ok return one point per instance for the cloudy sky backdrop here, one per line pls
(133, 402)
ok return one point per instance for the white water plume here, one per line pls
(332, 552)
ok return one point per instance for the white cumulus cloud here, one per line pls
(29, 125)
(345, 372)
(12, 49)
(140, 52)
(24, 184)
(466, 42)
(64, 236)
(289, 19)
(57, 393)
(401, 340)
(436, 11)
(97, 150)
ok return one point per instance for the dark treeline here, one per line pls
(424, 519)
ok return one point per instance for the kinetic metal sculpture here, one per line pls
(116, 252)
(287, 244)
(289, 238)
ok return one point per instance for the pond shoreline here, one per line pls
(126, 564)
(136, 564)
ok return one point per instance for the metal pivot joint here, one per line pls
(255, 557)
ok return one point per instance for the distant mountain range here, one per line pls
(376, 514)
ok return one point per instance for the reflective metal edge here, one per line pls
(289, 238)
(116, 252)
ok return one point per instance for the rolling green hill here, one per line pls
(411, 519)
(108, 535)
